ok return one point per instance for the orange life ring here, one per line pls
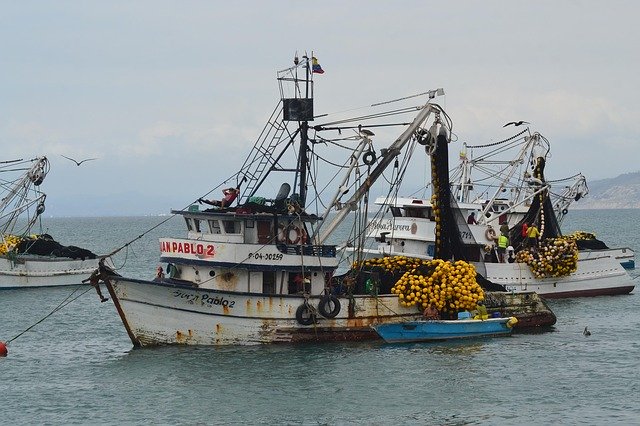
(490, 234)
(298, 236)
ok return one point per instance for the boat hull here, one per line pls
(425, 331)
(26, 271)
(595, 276)
(155, 313)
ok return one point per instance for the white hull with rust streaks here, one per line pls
(161, 313)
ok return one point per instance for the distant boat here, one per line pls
(432, 330)
(29, 259)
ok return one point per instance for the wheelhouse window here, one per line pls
(269, 282)
(416, 212)
(192, 224)
(214, 227)
(232, 226)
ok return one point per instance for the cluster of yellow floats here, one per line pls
(9, 242)
(448, 286)
(554, 257)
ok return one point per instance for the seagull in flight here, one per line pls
(78, 162)
(516, 123)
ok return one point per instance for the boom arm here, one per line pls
(392, 152)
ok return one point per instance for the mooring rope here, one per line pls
(61, 305)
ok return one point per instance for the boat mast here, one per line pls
(15, 202)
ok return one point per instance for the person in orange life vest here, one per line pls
(230, 195)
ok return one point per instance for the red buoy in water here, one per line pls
(3, 349)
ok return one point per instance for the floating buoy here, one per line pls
(3, 349)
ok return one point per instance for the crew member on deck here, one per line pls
(471, 220)
(532, 234)
(159, 274)
(230, 195)
(503, 242)
(431, 313)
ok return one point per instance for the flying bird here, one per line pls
(78, 162)
(516, 123)
(586, 332)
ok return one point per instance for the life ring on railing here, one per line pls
(369, 158)
(490, 234)
(299, 235)
(329, 306)
(305, 315)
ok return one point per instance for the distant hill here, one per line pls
(622, 192)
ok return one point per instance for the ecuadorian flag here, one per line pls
(315, 66)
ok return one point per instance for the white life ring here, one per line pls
(296, 234)
(490, 234)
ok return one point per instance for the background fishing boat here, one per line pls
(28, 256)
(411, 230)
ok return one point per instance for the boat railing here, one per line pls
(308, 250)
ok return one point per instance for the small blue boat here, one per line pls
(429, 330)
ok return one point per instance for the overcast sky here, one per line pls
(171, 95)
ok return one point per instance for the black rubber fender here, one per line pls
(329, 306)
(305, 315)
(369, 158)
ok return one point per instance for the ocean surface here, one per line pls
(78, 365)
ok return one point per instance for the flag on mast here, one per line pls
(315, 66)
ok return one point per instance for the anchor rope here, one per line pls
(61, 305)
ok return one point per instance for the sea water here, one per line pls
(78, 365)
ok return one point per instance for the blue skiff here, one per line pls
(428, 330)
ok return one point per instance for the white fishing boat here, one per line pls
(411, 231)
(498, 178)
(259, 268)
(28, 258)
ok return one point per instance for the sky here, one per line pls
(170, 96)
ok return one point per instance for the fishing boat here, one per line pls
(29, 258)
(258, 267)
(497, 178)
(411, 231)
(434, 330)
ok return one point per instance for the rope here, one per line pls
(500, 142)
(61, 305)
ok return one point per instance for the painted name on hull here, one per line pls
(388, 226)
(199, 249)
(204, 299)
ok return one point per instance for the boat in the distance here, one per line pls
(435, 330)
(29, 258)
(260, 268)
(412, 231)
